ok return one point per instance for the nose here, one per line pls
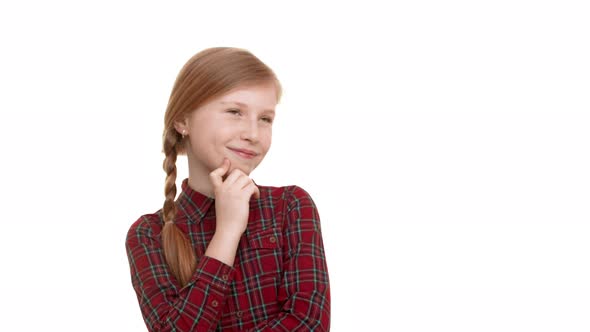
(250, 131)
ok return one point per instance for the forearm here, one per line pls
(165, 305)
(223, 247)
(306, 311)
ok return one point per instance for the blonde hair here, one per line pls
(207, 75)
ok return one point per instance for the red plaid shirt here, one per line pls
(279, 281)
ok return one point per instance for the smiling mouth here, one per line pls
(242, 154)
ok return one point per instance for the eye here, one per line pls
(269, 120)
(234, 111)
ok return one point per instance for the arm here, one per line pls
(164, 305)
(305, 289)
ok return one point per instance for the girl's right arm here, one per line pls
(197, 306)
(164, 305)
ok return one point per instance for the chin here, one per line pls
(246, 170)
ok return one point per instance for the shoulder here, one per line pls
(298, 206)
(146, 228)
(301, 212)
(297, 197)
(290, 194)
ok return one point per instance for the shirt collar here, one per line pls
(193, 204)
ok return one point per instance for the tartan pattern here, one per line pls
(279, 281)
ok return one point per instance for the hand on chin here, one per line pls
(235, 163)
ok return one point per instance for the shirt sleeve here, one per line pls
(305, 288)
(164, 305)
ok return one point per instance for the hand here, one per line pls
(232, 197)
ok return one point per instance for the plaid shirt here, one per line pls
(279, 281)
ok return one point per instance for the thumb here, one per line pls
(216, 175)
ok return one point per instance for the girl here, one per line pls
(228, 254)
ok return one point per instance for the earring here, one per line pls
(183, 133)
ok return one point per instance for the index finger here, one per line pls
(217, 173)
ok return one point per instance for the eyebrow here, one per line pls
(246, 106)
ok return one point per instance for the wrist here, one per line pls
(223, 246)
(225, 235)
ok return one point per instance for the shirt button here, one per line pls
(272, 239)
(214, 303)
(239, 314)
(224, 277)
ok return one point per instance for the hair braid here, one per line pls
(178, 250)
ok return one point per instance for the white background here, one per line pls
(446, 144)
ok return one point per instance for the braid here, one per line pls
(178, 250)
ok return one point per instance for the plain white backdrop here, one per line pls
(446, 144)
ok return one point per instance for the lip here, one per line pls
(244, 153)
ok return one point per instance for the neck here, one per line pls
(198, 179)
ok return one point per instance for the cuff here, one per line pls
(213, 272)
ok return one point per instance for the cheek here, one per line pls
(205, 147)
(268, 138)
(213, 137)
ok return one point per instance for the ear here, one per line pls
(181, 125)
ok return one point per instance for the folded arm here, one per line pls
(305, 289)
(164, 305)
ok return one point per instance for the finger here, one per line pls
(242, 182)
(216, 175)
(221, 170)
(255, 191)
(226, 174)
(234, 175)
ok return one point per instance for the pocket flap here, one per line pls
(268, 238)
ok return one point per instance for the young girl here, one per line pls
(228, 254)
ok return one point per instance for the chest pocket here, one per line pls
(266, 239)
(262, 254)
